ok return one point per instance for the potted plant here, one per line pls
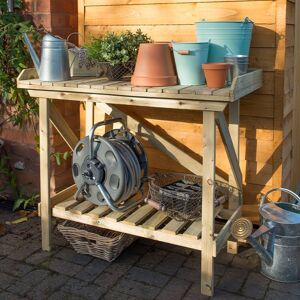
(117, 52)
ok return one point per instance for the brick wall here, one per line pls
(60, 18)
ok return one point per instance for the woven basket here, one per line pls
(98, 242)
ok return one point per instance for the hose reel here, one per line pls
(109, 169)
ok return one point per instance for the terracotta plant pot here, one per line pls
(154, 66)
(215, 74)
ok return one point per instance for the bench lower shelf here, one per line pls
(144, 221)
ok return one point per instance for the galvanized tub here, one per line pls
(225, 37)
(239, 65)
(189, 58)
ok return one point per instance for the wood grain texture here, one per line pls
(263, 34)
(296, 121)
(208, 196)
(281, 20)
(185, 13)
(46, 209)
(131, 2)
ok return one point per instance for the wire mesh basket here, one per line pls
(116, 72)
(180, 195)
(98, 242)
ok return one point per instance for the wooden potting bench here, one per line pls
(145, 221)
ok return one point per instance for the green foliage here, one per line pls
(19, 106)
(20, 198)
(59, 156)
(25, 201)
(116, 48)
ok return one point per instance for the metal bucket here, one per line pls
(239, 65)
(189, 58)
(226, 37)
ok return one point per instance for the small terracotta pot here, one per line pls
(215, 74)
(154, 66)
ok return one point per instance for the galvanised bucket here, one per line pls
(225, 37)
(189, 58)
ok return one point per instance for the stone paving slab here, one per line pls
(146, 270)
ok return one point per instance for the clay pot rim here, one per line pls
(154, 43)
(154, 77)
(191, 43)
(154, 81)
(229, 21)
(216, 66)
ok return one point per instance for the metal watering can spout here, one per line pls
(264, 253)
(242, 229)
(32, 52)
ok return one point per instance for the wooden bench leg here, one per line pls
(89, 116)
(46, 212)
(209, 154)
(234, 129)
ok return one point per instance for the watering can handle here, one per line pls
(294, 195)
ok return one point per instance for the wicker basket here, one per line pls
(98, 242)
(180, 195)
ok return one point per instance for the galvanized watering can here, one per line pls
(54, 63)
(279, 245)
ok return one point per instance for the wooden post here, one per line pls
(89, 116)
(81, 27)
(296, 100)
(46, 211)
(208, 196)
(234, 129)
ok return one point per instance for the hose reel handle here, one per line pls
(99, 124)
(294, 195)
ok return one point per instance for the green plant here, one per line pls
(58, 156)
(19, 107)
(23, 200)
(116, 48)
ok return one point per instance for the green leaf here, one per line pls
(18, 202)
(57, 158)
(66, 155)
(26, 202)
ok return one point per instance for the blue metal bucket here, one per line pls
(225, 37)
(189, 58)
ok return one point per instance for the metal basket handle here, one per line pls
(183, 52)
(294, 195)
(247, 20)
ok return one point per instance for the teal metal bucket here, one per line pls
(225, 37)
(189, 58)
